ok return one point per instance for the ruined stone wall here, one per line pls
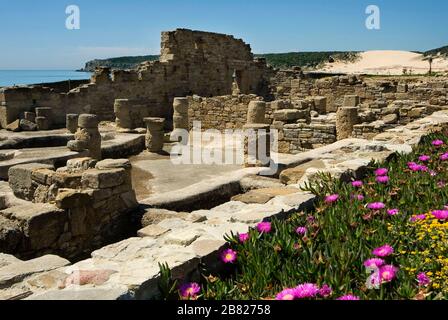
(191, 62)
(68, 212)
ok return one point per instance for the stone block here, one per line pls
(88, 121)
(152, 231)
(351, 101)
(113, 164)
(30, 116)
(27, 125)
(102, 179)
(14, 126)
(80, 164)
(287, 115)
(20, 179)
(42, 123)
(69, 198)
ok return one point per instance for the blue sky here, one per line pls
(34, 34)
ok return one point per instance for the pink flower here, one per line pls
(433, 173)
(243, 237)
(376, 206)
(306, 290)
(393, 212)
(424, 158)
(381, 172)
(382, 179)
(228, 256)
(417, 167)
(348, 297)
(437, 143)
(325, 291)
(444, 157)
(418, 217)
(357, 184)
(358, 197)
(189, 290)
(383, 251)
(287, 294)
(332, 198)
(388, 273)
(440, 214)
(264, 227)
(423, 279)
(301, 230)
(374, 263)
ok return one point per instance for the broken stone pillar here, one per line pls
(256, 112)
(42, 123)
(346, 119)
(320, 105)
(72, 122)
(351, 101)
(257, 145)
(30, 116)
(45, 112)
(154, 134)
(123, 113)
(180, 115)
(87, 137)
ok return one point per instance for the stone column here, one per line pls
(180, 115)
(47, 113)
(71, 122)
(122, 110)
(257, 145)
(87, 137)
(351, 101)
(256, 112)
(346, 118)
(30, 116)
(154, 134)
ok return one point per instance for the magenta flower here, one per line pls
(264, 227)
(424, 158)
(381, 172)
(332, 198)
(418, 217)
(376, 206)
(228, 256)
(357, 184)
(382, 179)
(374, 263)
(189, 290)
(423, 279)
(440, 214)
(444, 157)
(306, 290)
(287, 294)
(388, 273)
(243, 237)
(383, 251)
(358, 197)
(417, 167)
(348, 297)
(437, 143)
(393, 212)
(325, 291)
(301, 230)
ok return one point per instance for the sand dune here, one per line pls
(387, 62)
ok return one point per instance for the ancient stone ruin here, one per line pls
(91, 203)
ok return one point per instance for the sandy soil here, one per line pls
(386, 62)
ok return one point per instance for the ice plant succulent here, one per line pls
(243, 237)
(388, 273)
(348, 297)
(383, 251)
(440, 214)
(382, 179)
(381, 172)
(376, 206)
(332, 198)
(444, 157)
(325, 291)
(357, 184)
(423, 280)
(374, 263)
(264, 227)
(189, 290)
(393, 212)
(306, 290)
(228, 256)
(424, 158)
(437, 143)
(287, 294)
(301, 230)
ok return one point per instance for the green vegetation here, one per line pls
(443, 51)
(118, 63)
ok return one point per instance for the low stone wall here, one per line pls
(69, 212)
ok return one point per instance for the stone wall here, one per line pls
(68, 212)
(191, 62)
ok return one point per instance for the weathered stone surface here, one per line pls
(292, 175)
(390, 119)
(288, 115)
(92, 277)
(7, 259)
(256, 112)
(182, 238)
(154, 216)
(72, 122)
(351, 101)
(14, 126)
(152, 231)
(88, 121)
(257, 182)
(252, 197)
(101, 179)
(80, 164)
(120, 293)
(69, 198)
(20, 179)
(346, 118)
(17, 272)
(26, 125)
(113, 164)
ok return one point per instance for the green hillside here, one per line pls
(434, 52)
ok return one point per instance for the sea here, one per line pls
(24, 77)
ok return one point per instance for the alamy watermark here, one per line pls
(373, 21)
(73, 20)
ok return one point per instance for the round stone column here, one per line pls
(154, 134)
(47, 113)
(257, 145)
(71, 122)
(122, 110)
(180, 114)
(346, 118)
(256, 112)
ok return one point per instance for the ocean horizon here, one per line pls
(28, 77)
